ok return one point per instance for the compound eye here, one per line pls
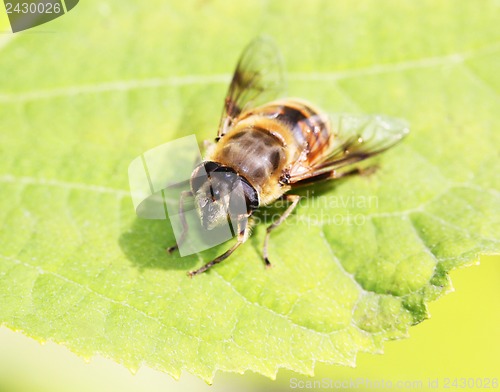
(201, 174)
(198, 178)
(197, 182)
(210, 166)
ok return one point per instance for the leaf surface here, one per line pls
(354, 266)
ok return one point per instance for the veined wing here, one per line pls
(258, 78)
(354, 138)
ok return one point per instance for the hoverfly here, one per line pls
(267, 147)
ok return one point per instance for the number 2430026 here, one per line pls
(33, 8)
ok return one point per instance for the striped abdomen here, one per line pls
(268, 141)
(310, 130)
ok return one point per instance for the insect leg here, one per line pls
(291, 198)
(243, 233)
(184, 194)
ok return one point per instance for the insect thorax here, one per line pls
(254, 153)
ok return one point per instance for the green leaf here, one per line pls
(354, 266)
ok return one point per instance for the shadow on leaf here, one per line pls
(146, 242)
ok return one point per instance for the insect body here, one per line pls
(267, 144)
(266, 148)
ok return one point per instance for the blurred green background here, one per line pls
(461, 339)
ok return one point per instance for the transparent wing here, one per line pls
(353, 138)
(357, 137)
(258, 78)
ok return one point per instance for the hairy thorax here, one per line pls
(271, 140)
(257, 150)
